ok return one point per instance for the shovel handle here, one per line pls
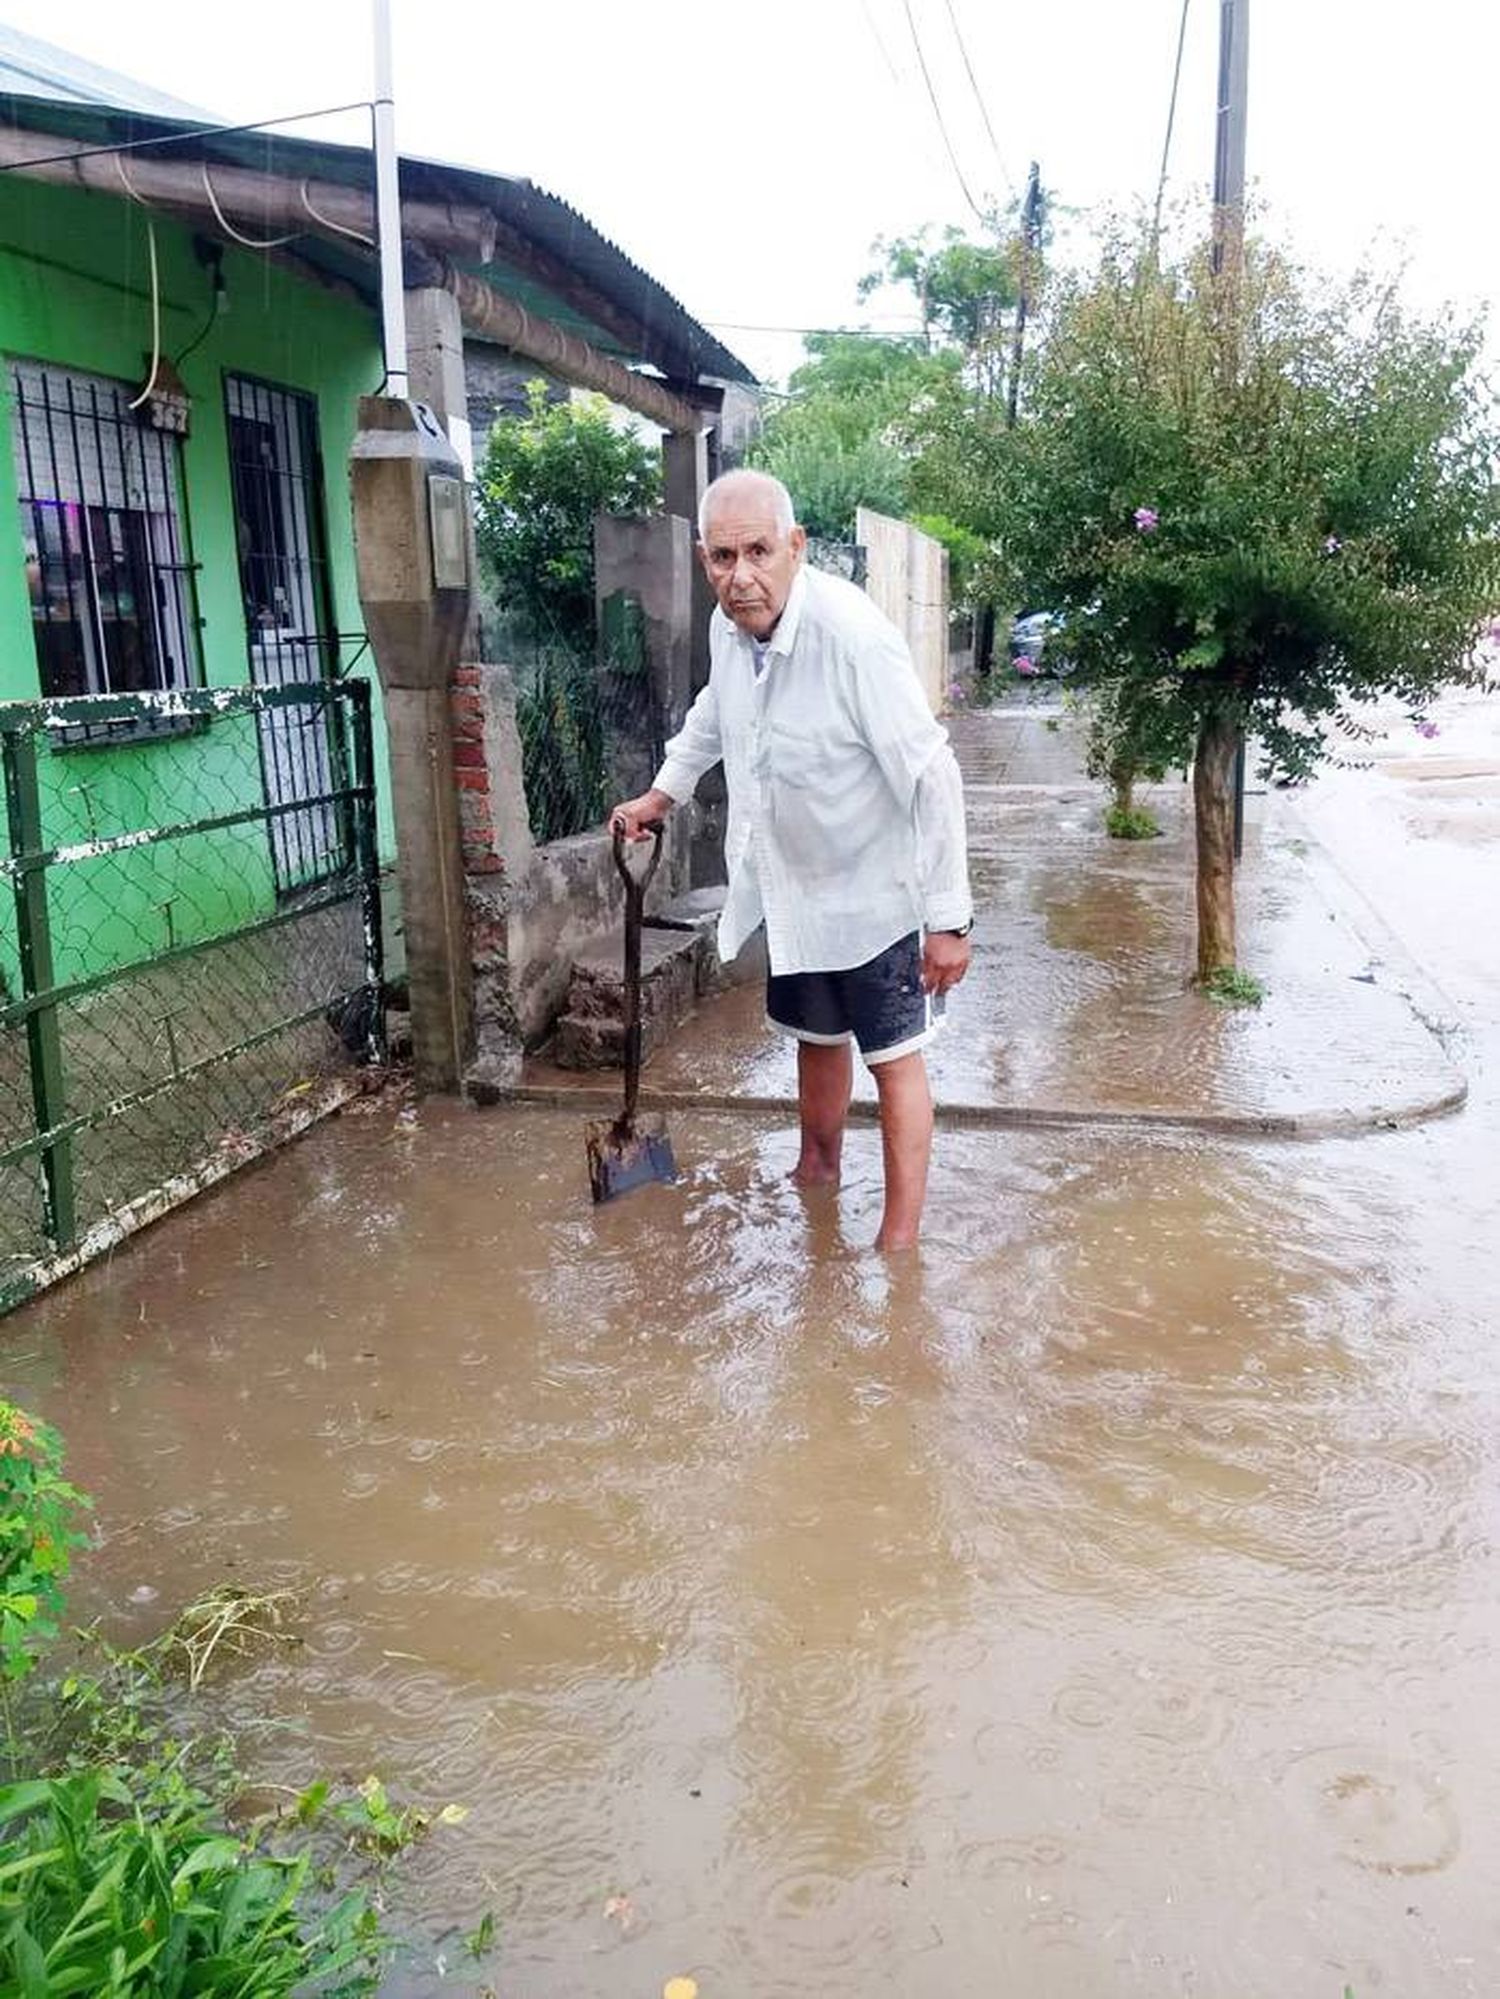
(631, 879)
(635, 900)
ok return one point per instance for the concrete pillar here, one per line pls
(438, 372)
(435, 364)
(689, 465)
(415, 612)
(684, 467)
(652, 561)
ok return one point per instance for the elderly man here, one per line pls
(845, 832)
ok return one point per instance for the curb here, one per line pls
(596, 1099)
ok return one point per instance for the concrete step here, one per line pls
(590, 1034)
(699, 911)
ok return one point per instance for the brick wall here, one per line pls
(472, 767)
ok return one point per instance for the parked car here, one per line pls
(1032, 638)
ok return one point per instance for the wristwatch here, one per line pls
(963, 930)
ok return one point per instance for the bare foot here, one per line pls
(893, 1241)
(814, 1173)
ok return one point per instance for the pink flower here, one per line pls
(1146, 519)
(1428, 729)
(1023, 665)
(1332, 545)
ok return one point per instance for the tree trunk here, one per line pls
(1213, 811)
(1122, 784)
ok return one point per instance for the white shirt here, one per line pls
(846, 816)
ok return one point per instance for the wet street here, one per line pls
(1105, 1605)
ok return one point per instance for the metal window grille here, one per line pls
(107, 568)
(276, 476)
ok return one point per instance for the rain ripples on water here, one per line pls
(1103, 1605)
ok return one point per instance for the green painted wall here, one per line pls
(75, 290)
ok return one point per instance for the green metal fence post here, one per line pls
(367, 859)
(34, 934)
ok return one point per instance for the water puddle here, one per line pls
(1104, 1603)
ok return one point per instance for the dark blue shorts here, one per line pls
(881, 1006)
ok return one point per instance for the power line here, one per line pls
(841, 332)
(979, 99)
(937, 113)
(1161, 179)
(879, 41)
(181, 136)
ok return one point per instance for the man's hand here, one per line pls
(945, 959)
(637, 816)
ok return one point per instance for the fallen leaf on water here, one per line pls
(620, 1909)
(680, 1988)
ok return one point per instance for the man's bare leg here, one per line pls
(825, 1082)
(906, 1140)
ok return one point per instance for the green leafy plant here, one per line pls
(544, 477)
(1130, 822)
(39, 1512)
(834, 441)
(120, 1875)
(378, 1826)
(1229, 986)
(118, 1886)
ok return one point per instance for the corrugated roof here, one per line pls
(29, 68)
(640, 320)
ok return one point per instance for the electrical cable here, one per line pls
(183, 133)
(215, 307)
(1005, 174)
(878, 40)
(325, 222)
(839, 332)
(155, 316)
(1161, 179)
(247, 242)
(938, 115)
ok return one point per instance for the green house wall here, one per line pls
(75, 290)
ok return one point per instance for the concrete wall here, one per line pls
(531, 908)
(907, 576)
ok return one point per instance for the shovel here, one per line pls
(625, 1155)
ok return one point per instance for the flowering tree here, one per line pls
(1255, 502)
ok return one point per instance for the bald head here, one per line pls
(740, 488)
(751, 548)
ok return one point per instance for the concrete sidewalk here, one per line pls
(1078, 1007)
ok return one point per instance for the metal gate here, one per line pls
(164, 1003)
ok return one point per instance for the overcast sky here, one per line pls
(748, 156)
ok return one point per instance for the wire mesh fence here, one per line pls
(166, 987)
(849, 559)
(563, 722)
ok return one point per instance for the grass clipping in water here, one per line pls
(228, 1620)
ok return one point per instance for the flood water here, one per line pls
(1103, 1606)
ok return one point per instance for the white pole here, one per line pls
(388, 210)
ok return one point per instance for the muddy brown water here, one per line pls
(1103, 1606)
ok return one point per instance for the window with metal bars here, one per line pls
(106, 564)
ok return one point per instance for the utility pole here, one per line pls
(1229, 223)
(1031, 243)
(1229, 129)
(388, 208)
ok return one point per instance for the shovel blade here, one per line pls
(620, 1161)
